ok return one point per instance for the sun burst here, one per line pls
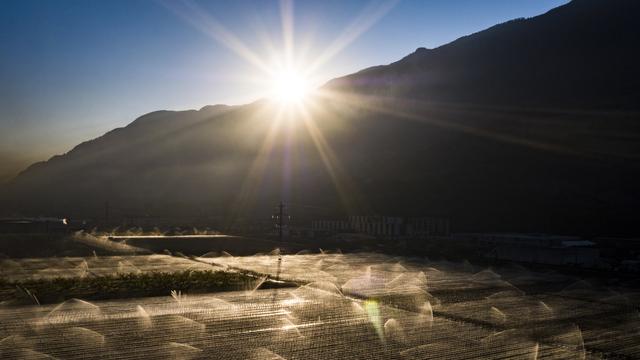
(290, 86)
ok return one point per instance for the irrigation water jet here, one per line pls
(143, 319)
(73, 310)
(176, 350)
(497, 316)
(394, 332)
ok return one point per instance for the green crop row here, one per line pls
(124, 286)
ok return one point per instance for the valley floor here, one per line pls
(367, 306)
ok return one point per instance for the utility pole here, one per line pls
(280, 216)
(280, 219)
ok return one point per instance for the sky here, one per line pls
(71, 70)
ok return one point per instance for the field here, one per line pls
(362, 306)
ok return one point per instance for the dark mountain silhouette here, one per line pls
(581, 55)
(527, 126)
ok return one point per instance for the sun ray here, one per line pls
(286, 14)
(371, 14)
(372, 103)
(291, 80)
(278, 67)
(348, 193)
(248, 191)
(200, 19)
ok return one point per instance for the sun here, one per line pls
(289, 86)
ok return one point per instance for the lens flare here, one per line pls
(373, 311)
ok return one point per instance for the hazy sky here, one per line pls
(72, 70)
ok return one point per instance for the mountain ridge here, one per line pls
(586, 48)
(450, 130)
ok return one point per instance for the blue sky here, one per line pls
(72, 70)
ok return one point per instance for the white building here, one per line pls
(386, 226)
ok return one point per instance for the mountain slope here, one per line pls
(580, 55)
(508, 129)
